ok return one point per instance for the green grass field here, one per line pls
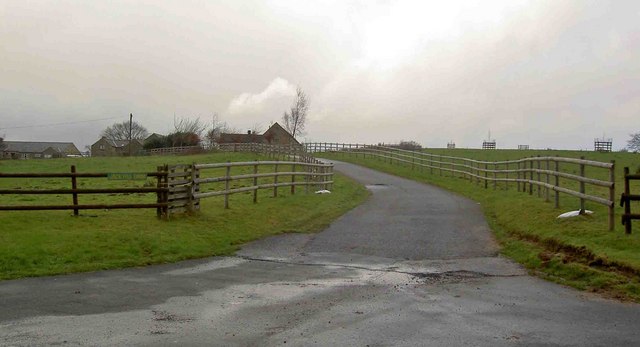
(36, 243)
(579, 251)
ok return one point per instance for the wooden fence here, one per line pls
(178, 186)
(176, 150)
(296, 174)
(626, 198)
(160, 190)
(279, 152)
(543, 173)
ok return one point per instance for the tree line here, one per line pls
(185, 132)
(194, 132)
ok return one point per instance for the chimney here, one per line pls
(248, 132)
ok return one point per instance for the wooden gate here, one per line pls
(181, 185)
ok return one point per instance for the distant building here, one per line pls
(249, 137)
(275, 135)
(110, 148)
(154, 137)
(38, 150)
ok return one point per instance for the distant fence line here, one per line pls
(176, 150)
(525, 173)
(290, 152)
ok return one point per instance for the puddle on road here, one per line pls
(209, 266)
(376, 186)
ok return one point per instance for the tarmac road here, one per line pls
(413, 266)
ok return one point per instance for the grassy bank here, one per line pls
(36, 243)
(579, 252)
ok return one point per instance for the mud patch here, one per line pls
(448, 277)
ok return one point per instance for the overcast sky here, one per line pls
(550, 74)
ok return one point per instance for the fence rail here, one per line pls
(312, 174)
(525, 173)
(75, 192)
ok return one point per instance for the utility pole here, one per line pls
(130, 125)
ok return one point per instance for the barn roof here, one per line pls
(240, 138)
(35, 147)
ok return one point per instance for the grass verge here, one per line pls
(38, 243)
(579, 252)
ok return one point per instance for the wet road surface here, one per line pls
(412, 266)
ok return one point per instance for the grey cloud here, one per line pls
(553, 74)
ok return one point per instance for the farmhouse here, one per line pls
(110, 148)
(275, 135)
(38, 150)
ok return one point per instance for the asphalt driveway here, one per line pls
(412, 266)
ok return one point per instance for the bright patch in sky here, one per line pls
(393, 32)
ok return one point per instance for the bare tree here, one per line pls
(213, 134)
(296, 119)
(217, 128)
(186, 132)
(188, 125)
(634, 142)
(257, 128)
(2, 145)
(120, 131)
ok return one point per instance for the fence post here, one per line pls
(275, 181)
(612, 194)
(255, 183)
(546, 189)
(538, 176)
(440, 161)
(166, 193)
(306, 178)
(486, 174)
(530, 176)
(582, 190)
(293, 179)
(430, 161)
(518, 175)
(495, 176)
(74, 186)
(506, 167)
(470, 171)
(190, 206)
(627, 203)
(226, 186)
(557, 169)
(158, 193)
